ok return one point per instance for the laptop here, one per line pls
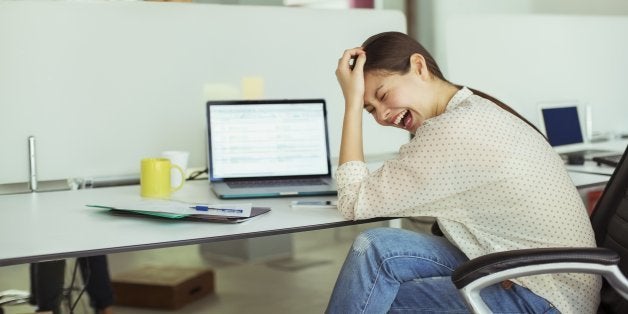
(268, 148)
(561, 123)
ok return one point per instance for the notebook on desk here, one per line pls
(561, 123)
(268, 148)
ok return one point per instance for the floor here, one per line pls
(301, 283)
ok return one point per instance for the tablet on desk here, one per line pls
(310, 204)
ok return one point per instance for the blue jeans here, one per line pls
(391, 270)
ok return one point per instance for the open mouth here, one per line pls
(404, 119)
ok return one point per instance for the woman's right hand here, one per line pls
(350, 75)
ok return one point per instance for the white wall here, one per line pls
(103, 84)
(527, 59)
(525, 51)
(433, 14)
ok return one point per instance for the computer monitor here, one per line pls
(560, 122)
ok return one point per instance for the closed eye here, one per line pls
(369, 108)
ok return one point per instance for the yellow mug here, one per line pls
(155, 178)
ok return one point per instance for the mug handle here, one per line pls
(182, 178)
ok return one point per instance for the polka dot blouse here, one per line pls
(492, 182)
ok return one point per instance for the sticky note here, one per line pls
(253, 87)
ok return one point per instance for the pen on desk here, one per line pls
(207, 208)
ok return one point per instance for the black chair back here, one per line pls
(610, 224)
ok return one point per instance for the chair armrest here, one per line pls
(473, 276)
(496, 262)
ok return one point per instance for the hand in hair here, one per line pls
(350, 75)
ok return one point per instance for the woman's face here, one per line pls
(397, 100)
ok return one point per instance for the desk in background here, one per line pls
(590, 186)
(617, 146)
(591, 178)
(591, 167)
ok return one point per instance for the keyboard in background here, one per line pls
(612, 160)
(274, 183)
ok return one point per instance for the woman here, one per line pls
(489, 178)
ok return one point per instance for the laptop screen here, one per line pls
(252, 139)
(562, 125)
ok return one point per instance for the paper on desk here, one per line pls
(179, 208)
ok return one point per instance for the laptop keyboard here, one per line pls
(608, 160)
(275, 183)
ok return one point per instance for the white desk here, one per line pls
(54, 225)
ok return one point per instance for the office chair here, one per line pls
(610, 259)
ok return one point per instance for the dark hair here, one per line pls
(391, 51)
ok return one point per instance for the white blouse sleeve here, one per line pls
(349, 176)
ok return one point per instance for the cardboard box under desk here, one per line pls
(163, 287)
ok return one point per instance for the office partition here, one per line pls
(103, 84)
